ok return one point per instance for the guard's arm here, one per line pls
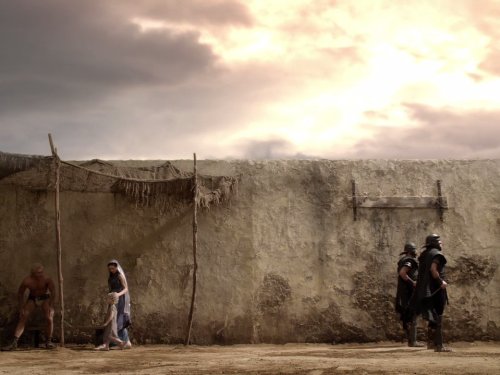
(403, 273)
(436, 276)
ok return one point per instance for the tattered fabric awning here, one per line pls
(13, 163)
(156, 186)
(161, 186)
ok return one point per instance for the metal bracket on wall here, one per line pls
(438, 202)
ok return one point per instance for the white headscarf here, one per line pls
(126, 310)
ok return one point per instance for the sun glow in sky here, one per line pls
(326, 77)
(389, 54)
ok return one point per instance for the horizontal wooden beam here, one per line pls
(400, 202)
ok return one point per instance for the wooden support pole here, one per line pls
(400, 202)
(440, 201)
(57, 168)
(354, 201)
(195, 245)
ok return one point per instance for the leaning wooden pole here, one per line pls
(195, 245)
(57, 169)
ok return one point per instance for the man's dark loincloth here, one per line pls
(38, 300)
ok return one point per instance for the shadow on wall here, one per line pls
(464, 313)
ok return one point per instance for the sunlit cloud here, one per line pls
(299, 77)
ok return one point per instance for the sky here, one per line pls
(252, 79)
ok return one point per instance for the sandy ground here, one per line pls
(312, 359)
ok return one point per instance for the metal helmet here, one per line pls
(432, 240)
(410, 248)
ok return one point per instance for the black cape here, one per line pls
(429, 299)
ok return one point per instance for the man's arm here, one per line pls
(52, 289)
(20, 293)
(435, 274)
(403, 273)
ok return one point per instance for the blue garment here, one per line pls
(123, 335)
(115, 285)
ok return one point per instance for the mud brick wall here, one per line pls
(282, 262)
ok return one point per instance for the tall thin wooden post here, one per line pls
(195, 245)
(57, 167)
(354, 201)
(440, 201)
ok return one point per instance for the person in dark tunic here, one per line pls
(117, 283)
(407, 280)
(430, 297)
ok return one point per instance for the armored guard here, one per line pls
(430, 297)
(407, 280)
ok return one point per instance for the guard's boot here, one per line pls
(11, 346)
(438, 340)
(412, 336)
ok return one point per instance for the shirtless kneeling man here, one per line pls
(41, 294)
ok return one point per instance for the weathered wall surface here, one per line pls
(282, 262)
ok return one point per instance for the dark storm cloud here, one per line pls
(59, 52)
(271, 149)
(83, 71)
(214, 12)
(442, 133)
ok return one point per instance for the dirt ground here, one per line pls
(311, 359)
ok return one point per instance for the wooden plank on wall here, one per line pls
(400, 202)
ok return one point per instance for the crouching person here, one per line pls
(41, 295)
(110, 325)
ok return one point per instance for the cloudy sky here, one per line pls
(122, 79)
